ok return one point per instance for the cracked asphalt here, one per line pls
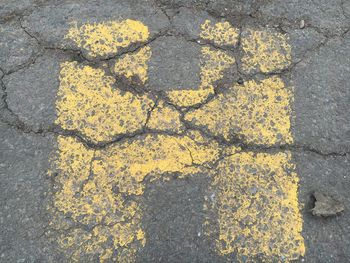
(174, 131)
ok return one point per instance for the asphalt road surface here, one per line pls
(175, 131)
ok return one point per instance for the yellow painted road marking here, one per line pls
(165, 118)
(87, 102)
(255, 112)
(94, 184)
(266, 51)
(100, 39)
(214, 63)
(258, 209)
(97, 190)
(134, 65)
(221, 33)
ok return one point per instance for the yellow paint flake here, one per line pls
(265, 51)
(92, 185)
(106, 38)
(88, 103)
(214, 63)
(134, 64)
(221, 33)
(165, 118)
(257, 207)
(255, 112)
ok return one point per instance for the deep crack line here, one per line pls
(134, 136)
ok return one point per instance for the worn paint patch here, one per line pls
(214, 63)
(88, 103)
(254, 112)
(165, 118)
(106, 38)
(265, 51)
(87, 198)
(134, 64)
(221, 33)
(257, 206)
(92, 186)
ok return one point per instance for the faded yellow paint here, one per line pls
(88, 103)
(134, 64)
(97, 192)
(257, 205)
(106, 38)
(254, 112)
(221, 33)
(214, 63)
(165, 118)
(93, 185)
(265, 51)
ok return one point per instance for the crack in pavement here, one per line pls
(58, 131)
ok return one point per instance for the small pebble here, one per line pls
(240, 81)
(302, 24)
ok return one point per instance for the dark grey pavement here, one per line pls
(32, 46)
